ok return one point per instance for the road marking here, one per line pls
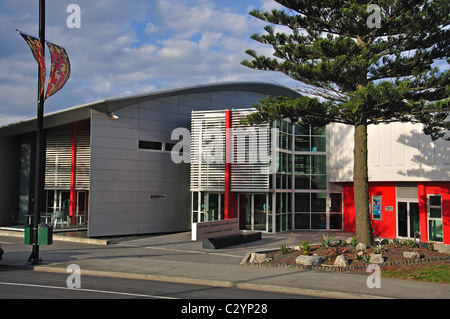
(85, 290)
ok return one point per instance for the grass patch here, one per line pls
(430, 273)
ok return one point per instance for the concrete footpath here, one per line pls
(175, 258)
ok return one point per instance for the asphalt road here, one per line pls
(28, 284)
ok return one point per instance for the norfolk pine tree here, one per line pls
(359, 65)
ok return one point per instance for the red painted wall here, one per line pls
(349, 208)
(386, 227)
(434, 188)
(388, 224)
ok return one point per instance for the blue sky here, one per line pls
(127, 47)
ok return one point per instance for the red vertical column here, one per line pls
(73, 165)
(227, 163)
(423, 211)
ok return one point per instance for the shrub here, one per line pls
(305, 247)
(326, 240)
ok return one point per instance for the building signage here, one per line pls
(376, 207)
(215, 229)
(157, 196)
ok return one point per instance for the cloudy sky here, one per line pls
(126, 47)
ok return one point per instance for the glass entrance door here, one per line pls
(408, 221)
(82, 207)
(259, 212)
(252, 212)
(58, 204)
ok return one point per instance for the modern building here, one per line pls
(282, 176)
(108, 164)
(158, 162)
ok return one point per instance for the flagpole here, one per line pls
(39, 161)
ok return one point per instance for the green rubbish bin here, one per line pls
(45, 234)
(28, 237)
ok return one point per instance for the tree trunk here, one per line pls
(361, 186)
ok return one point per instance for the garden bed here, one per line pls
(357, 259)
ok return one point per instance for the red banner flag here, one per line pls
(38, 52)
(60, 69)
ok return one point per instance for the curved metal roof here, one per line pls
(107, 106)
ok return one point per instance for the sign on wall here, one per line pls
(376, 207)
(157, 196)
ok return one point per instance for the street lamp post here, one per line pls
(39, 161)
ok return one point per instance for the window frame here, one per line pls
(430, 219)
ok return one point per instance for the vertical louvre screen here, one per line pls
(208, 151)
(83, 160)
(58, 160)
(250, 158)
(251, 155)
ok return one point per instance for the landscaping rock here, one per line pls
(308, 260)
(361, 246)
(340, 261)
(349, 240)
(258, 258)
(442, 248)
(411, 254)
(376, 258)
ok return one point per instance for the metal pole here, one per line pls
(34, 258)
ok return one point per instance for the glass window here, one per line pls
(336, 221)
(284, 181)
(318, 202)
(318, 182)
(284, 162)
(213, 207)
(318, 221)
(319, 130)
(302, 144)
(50, 201)
(302, 182)
(284, 203)
(284, 126)
(302, 221)
(335, 211)
(435, 218)
(302, 164)
(260, 214)
(202, 207)
(222, 206)
(335, 202)
(319, 164)
(435, 227)
(435, 200)
(319, 144)
(302, 202)
(147, 145)
(285, 141)
(302, 129)
(435, 212)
